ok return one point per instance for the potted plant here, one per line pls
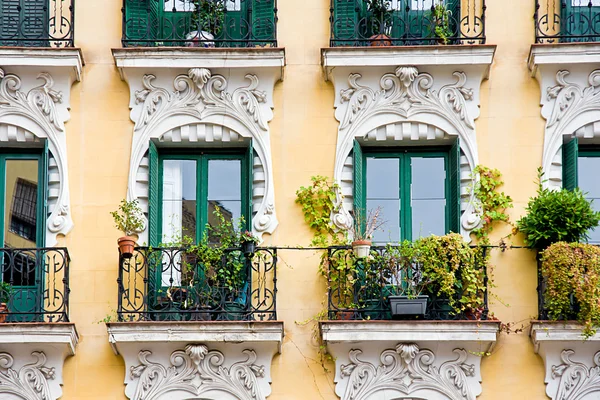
(440, 15)
(207, 19)
(363, 229)
(6, 291)
(248, 242)
(380, 16)
(557, 215)
(129, 220)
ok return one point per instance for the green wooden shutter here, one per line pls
(263, 20)
(142, 19)
(569, 159)
(42, 214)
(10, 19)
(154, 202)
(453, 197)
(578, 19)
(454, 7)
(35, 22)
(248, 184)
(345, 21)
(359, 189)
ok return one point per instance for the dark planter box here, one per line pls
(403, 306)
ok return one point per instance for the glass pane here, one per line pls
(584, 3)
(419, 4)
(225, 188)
(428, 199)
(382, 178)
(587, 175)
(179, 200)
(21, 202)
(390, 213)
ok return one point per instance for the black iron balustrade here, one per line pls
(171, 284)
(37, 23)
(200, 23)
(407, 22)
(364, 293)
(36, 283)
(565, 21)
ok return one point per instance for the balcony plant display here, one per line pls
(380, 17)
(440, 16)
(571, 272)
(248, 242)
(362, 230)
(6, 290)
(557, 215)
(207, 19)
(129, 220)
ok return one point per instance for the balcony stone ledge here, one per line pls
(372, 358)
(32, 357)
(44, 59)
(206, 358)
(571, 361)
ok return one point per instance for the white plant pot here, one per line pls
(201, 39)
(361, 248)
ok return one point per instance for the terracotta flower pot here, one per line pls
(3, 312)
(126, 245)
(380, 40)
(361, 248)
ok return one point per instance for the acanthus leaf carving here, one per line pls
(30, 382)
(577, 381)
(197, 370)
(407, 369)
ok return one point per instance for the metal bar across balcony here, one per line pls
(567, 21)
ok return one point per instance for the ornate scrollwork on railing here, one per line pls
(197, 370)
(30, 382)
(406, 370)
(567, 21)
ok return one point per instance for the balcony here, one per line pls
(199, 23)
(365, 293)
(42, 23)
(567, 21)
(36, 284)
(357, 23)
(170, 284)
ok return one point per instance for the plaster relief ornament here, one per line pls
(197, 371)
(407, 370)
(577, 380)
(201, 97)
(40, 106)
(405, 96)
(30, 382)
(574, 107)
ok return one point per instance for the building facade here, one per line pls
(196, 106)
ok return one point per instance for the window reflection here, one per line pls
(224, 189)
(383, 190)
(428, 197)
(179, 200)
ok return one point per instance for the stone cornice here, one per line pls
(43, 57)
(60, 333)
(563, 54)
(558, 331)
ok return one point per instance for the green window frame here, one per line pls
(451, 158)
(202, 158)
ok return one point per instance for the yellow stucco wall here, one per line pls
(509, 132)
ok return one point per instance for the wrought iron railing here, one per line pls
(564, 21)
(200, 23)
(36, 284)
(407, 22)
(37, 23)
(172, 284)
(363, 294)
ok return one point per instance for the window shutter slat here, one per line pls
(453, 197)
(154, 202)
(345, 20)
(263, 20)
(249, 185)
(359, 189)
(142, 19)
(570, 154)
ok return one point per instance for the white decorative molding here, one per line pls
(205, 109)
(224, 360)
(30, 382)
(407, 370)
(572, 362)
(570, 99)
(197, 371)
(32, 357)
(30, 112)
(407, 107)
(433, 360)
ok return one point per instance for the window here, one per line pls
(416, 189)
(420, 4)
(580, 169)
(24, 209)
(584, 3)
(187, 5)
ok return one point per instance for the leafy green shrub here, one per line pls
(6, 290)
(572, 275)
(555, 216)
(129, 217)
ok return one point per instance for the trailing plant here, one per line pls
(318, 203)
(208, 15)
(492, 202)
(441, 17)
(248, 236)
(6, 291)
(572, 275)
(128, 217)
(557, 215)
